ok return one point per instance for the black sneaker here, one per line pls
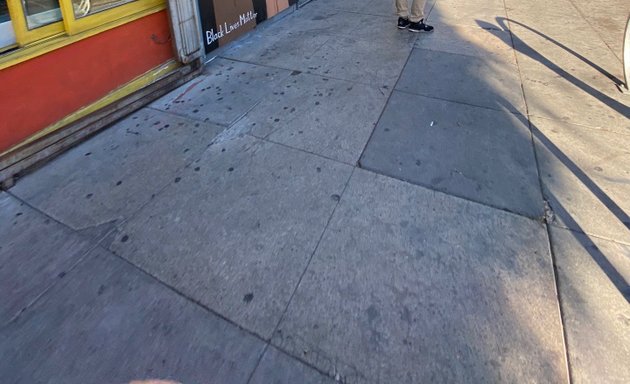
(420, 26)
(403, 23)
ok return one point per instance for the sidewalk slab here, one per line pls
(570, 99)
(108, 322)
(382, 32)
(485, 82)
(317, 19)
(547, 15)
(539, 9)
(34, 252)
(411, 285)
(107, 178)
(226, 91)
(572, 52)
(295, 42)
(277, 367)
(384, 8)
(572, 66)
(471, 152)
(290, 50)
(369, 7)
(354, 59)
(472, 4)
(593, 21)
(447, 14)
(607, 19)
(565, 87)
(329, 117)
(591, 273)
(313, 44)
(470, 41)
(235, 233)
(586, 177)
(570, 46)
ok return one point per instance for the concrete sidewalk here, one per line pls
(335, 200)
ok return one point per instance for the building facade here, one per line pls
(71, 67)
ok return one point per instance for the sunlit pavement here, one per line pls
(336, 200)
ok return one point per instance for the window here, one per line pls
(26, 21)
(82, 15)
(41, 12)
(84, 8)
(7, 36)
(34, 20)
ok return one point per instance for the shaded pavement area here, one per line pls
(335, 200)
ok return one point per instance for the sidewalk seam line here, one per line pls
(299, 149)
(308, 263)
(299, 359)
(193, 301)
(490, 57)
(427, 188)
(211, 311)
(184, 295)
(99, 245)
(430, 10)
(184, 116)
(251, 375)
(581, 126)
(93, 244)
(154, 195)
(556, 280)
(555, 224)
(380, 116)
(546, 225)
(462, 103)
(579, 11)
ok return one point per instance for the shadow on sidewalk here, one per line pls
(536, 55)
(597, 255)
(522, 47)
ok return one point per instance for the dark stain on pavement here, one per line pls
(372, 313)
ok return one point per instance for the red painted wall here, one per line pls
(41, 91)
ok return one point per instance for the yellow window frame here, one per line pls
(69, 24)
(23, 35)
(73, 25)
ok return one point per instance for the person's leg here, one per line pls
(417, 11)
(416, 19)
(402, 8)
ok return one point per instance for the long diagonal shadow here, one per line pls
(616, 278)
(597, 255)
(615, 209)
(524, 48)
(601, 70)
